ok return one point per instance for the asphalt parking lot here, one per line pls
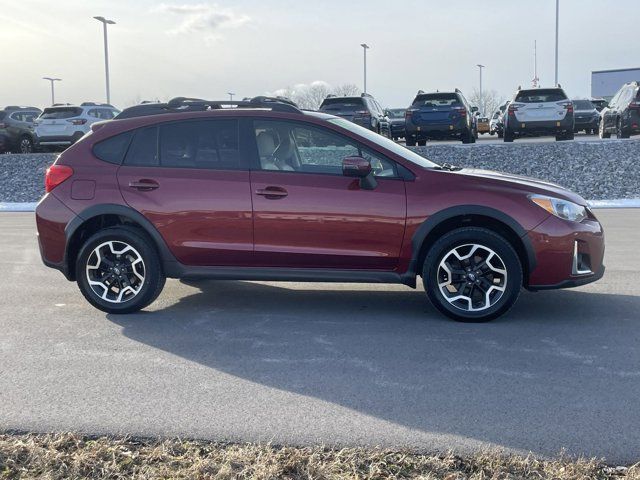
(333, 364)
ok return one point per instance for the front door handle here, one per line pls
(144, 184)
(272, 193)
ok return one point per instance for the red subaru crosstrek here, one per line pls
(264, 191)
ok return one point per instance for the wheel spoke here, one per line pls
(472, 277)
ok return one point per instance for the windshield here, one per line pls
(396, 113)
(583, 105)
(385, 143)
(540, 95)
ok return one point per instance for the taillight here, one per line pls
(3, 125)
(408, 113)
(633, 105)
(56, 174)
(361, 112)
(78, 121)
(513, 108)
(568, 107)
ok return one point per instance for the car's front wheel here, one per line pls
(472, 274)
(118, 270)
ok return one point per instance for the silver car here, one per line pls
(63, 125)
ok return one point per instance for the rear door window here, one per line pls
(209, 144)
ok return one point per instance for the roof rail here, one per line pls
(187, 104)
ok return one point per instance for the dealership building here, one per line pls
(605, 83)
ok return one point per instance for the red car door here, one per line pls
(189, 179)
(307, 214)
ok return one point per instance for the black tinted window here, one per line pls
(211, 144)
(437, 100)
(112, 149)
(343, 104)
(540, 95)
(59, 113)
(143, 151)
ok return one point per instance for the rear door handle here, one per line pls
(272, 193)
(144, 184)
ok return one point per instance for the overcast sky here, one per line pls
(252, 47)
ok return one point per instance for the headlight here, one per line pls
(560, 208)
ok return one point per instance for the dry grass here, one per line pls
(72, 456)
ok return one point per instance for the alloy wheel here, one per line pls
(115, 271)
(25, 146)
(472, 277)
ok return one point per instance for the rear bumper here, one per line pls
(518, 127)
(428, 131)
(568, 254)
(52, 217)
(53, 141)
(589, 123)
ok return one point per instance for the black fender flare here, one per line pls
(461, 210)
(168, 260)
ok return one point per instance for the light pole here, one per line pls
(231, 94)
(53, 95)
(557, 30)
(480, 67)
(365, 47)
(106, 22)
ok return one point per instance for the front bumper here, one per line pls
(568, 254)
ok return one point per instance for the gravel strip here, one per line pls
(596, 170)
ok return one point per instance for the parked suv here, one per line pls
(265, 191)
(363, 110)
(16, 129)
(539, 111)
(586, 117)
(439, 116)
(64, 125)
(622, 116)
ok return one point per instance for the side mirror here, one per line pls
(474, 109)
(359, 167)
(355, 167)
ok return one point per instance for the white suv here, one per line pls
(539, 111)
(63, 125)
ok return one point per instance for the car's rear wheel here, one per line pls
(118, 270)
(410, 142)
(507, 136)
(472, 274)
(422, 143)
(25, 145)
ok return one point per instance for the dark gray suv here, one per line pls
(16, 129)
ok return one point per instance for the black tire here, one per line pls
(500, 135)
(422, 143)
(561, 137)
(410, 142)
(620, 131)
(25, 144)
(154, 278)
(487, 238)
(467, 136)
(603, 135)
(507, 136)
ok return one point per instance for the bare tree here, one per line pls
(489, 102)
(346, 90)
(310, 96)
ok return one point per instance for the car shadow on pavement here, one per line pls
(539, 378)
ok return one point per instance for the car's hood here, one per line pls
(532, 185)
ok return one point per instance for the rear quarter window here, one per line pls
(113, 149)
